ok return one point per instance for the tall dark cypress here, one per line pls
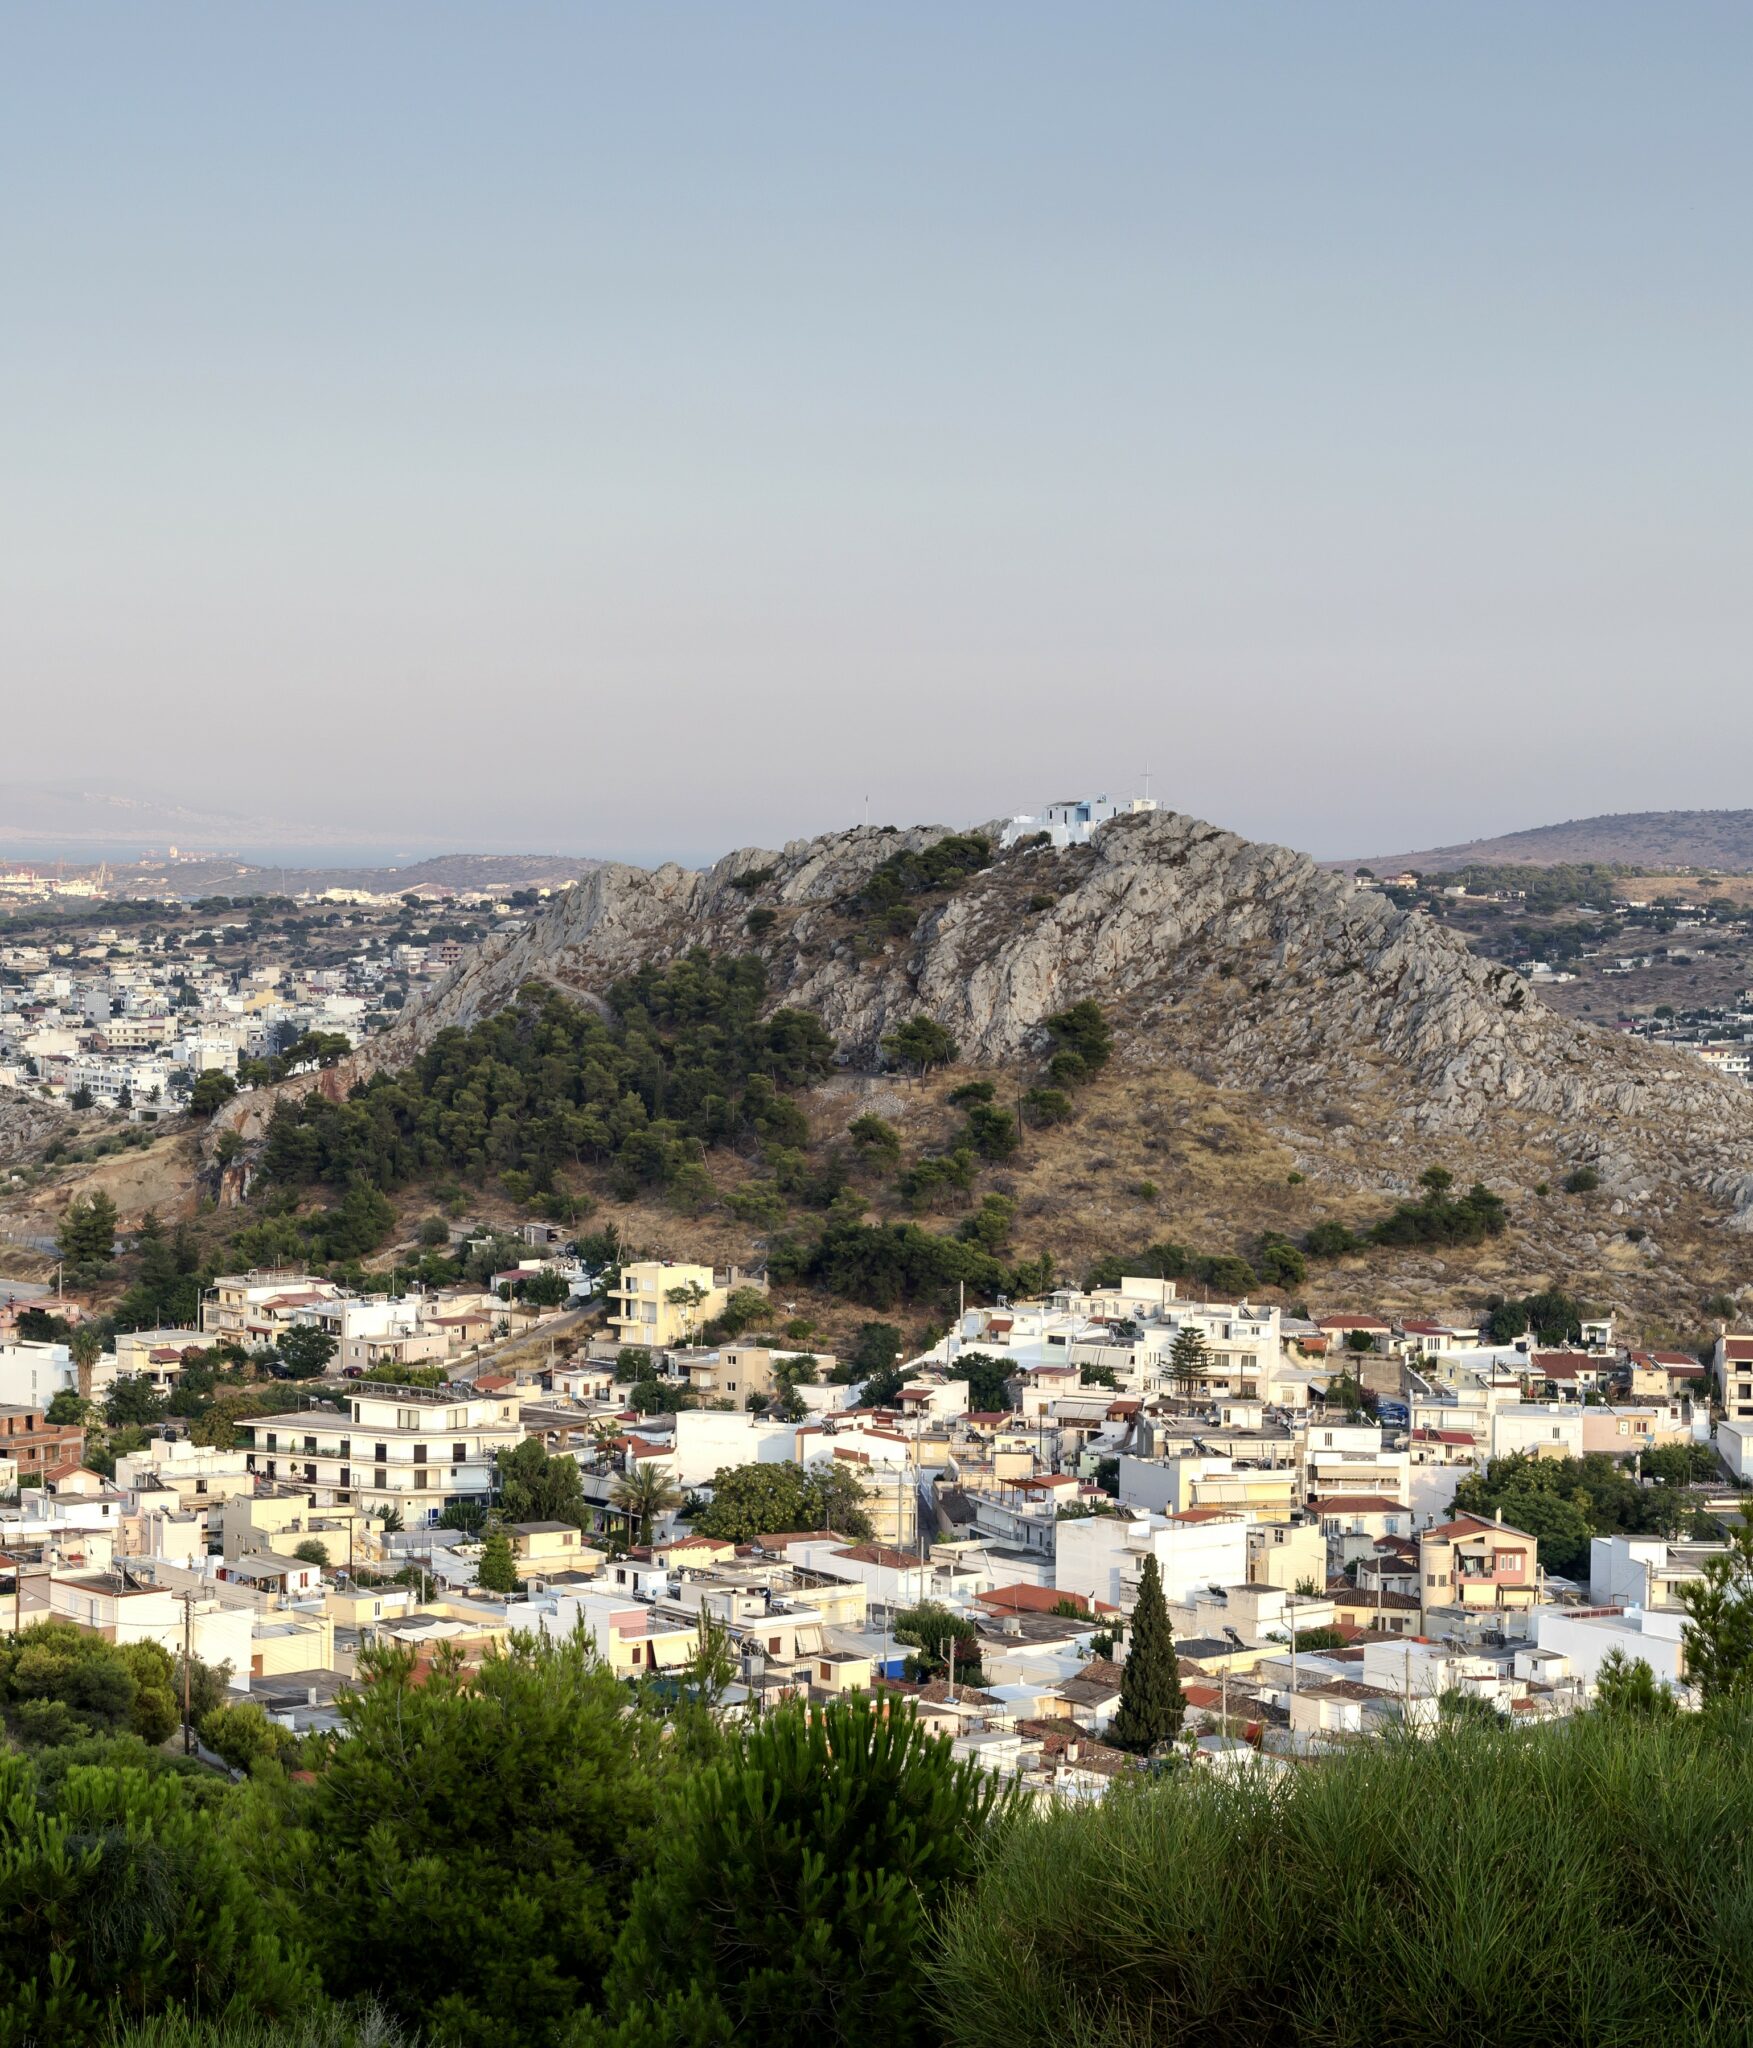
(1151, 1701)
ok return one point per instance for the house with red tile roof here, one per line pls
(1476, 1566)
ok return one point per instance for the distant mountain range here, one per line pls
(1647, 840)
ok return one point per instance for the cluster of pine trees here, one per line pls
(685, 1061)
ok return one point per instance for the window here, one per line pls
(419, 1454)
(383, 1477)
(459, 1454)
(420, 1478)
(346, 1450)
(381, 1454)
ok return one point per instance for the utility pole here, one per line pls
(188, 1631)
(1290, 1603)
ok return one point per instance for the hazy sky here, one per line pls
(650, 429)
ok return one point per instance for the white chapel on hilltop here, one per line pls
(1071, 822)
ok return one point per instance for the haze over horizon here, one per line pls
(649, 433)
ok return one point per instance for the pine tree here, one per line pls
(87, 1233)
(1151, 1704)
(498, 1568)
(1189, 1360)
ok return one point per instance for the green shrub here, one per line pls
(365, 2025)
(242, 1733)
(791, 1894)
(121, 1894)
(920, 1042)
(1279, 1262)
(468, 1853)
(942, 865)
(1518, 1888)
(1083, 1032)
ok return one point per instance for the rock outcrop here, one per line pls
(1246, 964)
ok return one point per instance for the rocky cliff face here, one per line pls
(1244, 964)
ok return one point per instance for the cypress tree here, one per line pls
(497, 1570)
(1151, 1702)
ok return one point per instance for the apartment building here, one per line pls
(415, 1449)
(256, 1307)
(1101, 1556)
(737, 1371)
(41, 1449)
(659, 1302)
(1348, 1458)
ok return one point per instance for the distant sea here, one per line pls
(39, 853)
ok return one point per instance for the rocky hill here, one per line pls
(1359, 1037)
(1646, 841)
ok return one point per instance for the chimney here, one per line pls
(310, 1695)
(1500, 1515)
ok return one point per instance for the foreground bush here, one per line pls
(467, 1854)
(326, 2026)
(121, 1893)
(790, 1896)
(1584, 1884)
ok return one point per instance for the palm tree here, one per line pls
(86, 1346)
(643, 1495)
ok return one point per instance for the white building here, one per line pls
(1543, 1429)
(415, 1449)
(1100, 1556)
(32, 1374)
(1585, 1638)
(1348, 1459)
(710, 1439)
(1070, 821)
(1645, 1571)
(1734, 1445)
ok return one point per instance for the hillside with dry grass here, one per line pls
(1287, 1051)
